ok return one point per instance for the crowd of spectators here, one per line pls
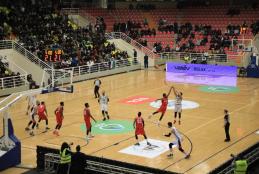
(216, 39)
(145, 7)
(217, 42)
(40, 28)
(134, 29)
(8, 78)
(4, 72)
(255, 27)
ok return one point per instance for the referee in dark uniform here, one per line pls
(226, 125)
(97, 84)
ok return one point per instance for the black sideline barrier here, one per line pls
(228, 164)
(41, 151)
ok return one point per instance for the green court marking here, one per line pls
(219, 89)
(110, 127)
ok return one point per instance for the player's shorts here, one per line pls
(88, 125)
(32, 117)
(42, 116)
(178, 108)
(104, 107)
(32, 102)
(139, 131)
(59, 119)
(162, 110)
(177, 143)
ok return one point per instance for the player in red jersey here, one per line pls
(139, 125)
(87, 116)
(163, 106)
(59, 118)
(43, 115)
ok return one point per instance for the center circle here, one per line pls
(110, 127)
(186, 104)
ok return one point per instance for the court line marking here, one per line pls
(220, 101)
(182, 133)
(185, 115)
(207, 124)
(132, 95)
(116, 99)
(66, 125)
(217, 118)
(235, 142)
(42, 133)
(28, 147)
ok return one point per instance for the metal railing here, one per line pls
(126, 38)
(70, 11)
(17, 47)
(11, 44)
(52, 160)
(88, 17)
(251, 157)
(13, 81)
(100, 67)
(198, 56)
(77, 11)
(6, 44)
(238, 59)
(13, 66)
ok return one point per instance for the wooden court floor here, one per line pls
(203, 125)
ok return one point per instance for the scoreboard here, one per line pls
(53, 55)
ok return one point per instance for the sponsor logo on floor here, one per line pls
(185, 104)
(157, 148)
(110, 127)
(137, 100)
(219, 89)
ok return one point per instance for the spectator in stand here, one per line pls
(177, 48)
(41, 29)
(135, 55)
(145, 22)
(255, 27)
(167, 48)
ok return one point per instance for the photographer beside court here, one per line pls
(65, 158)
(240, 164)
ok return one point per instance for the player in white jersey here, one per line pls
(177, 141)
(33, 113)
(103, 100)
(178, 105)
(31, 102)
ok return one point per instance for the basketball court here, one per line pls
(202, 122)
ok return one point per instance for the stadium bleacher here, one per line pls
(188, 31)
